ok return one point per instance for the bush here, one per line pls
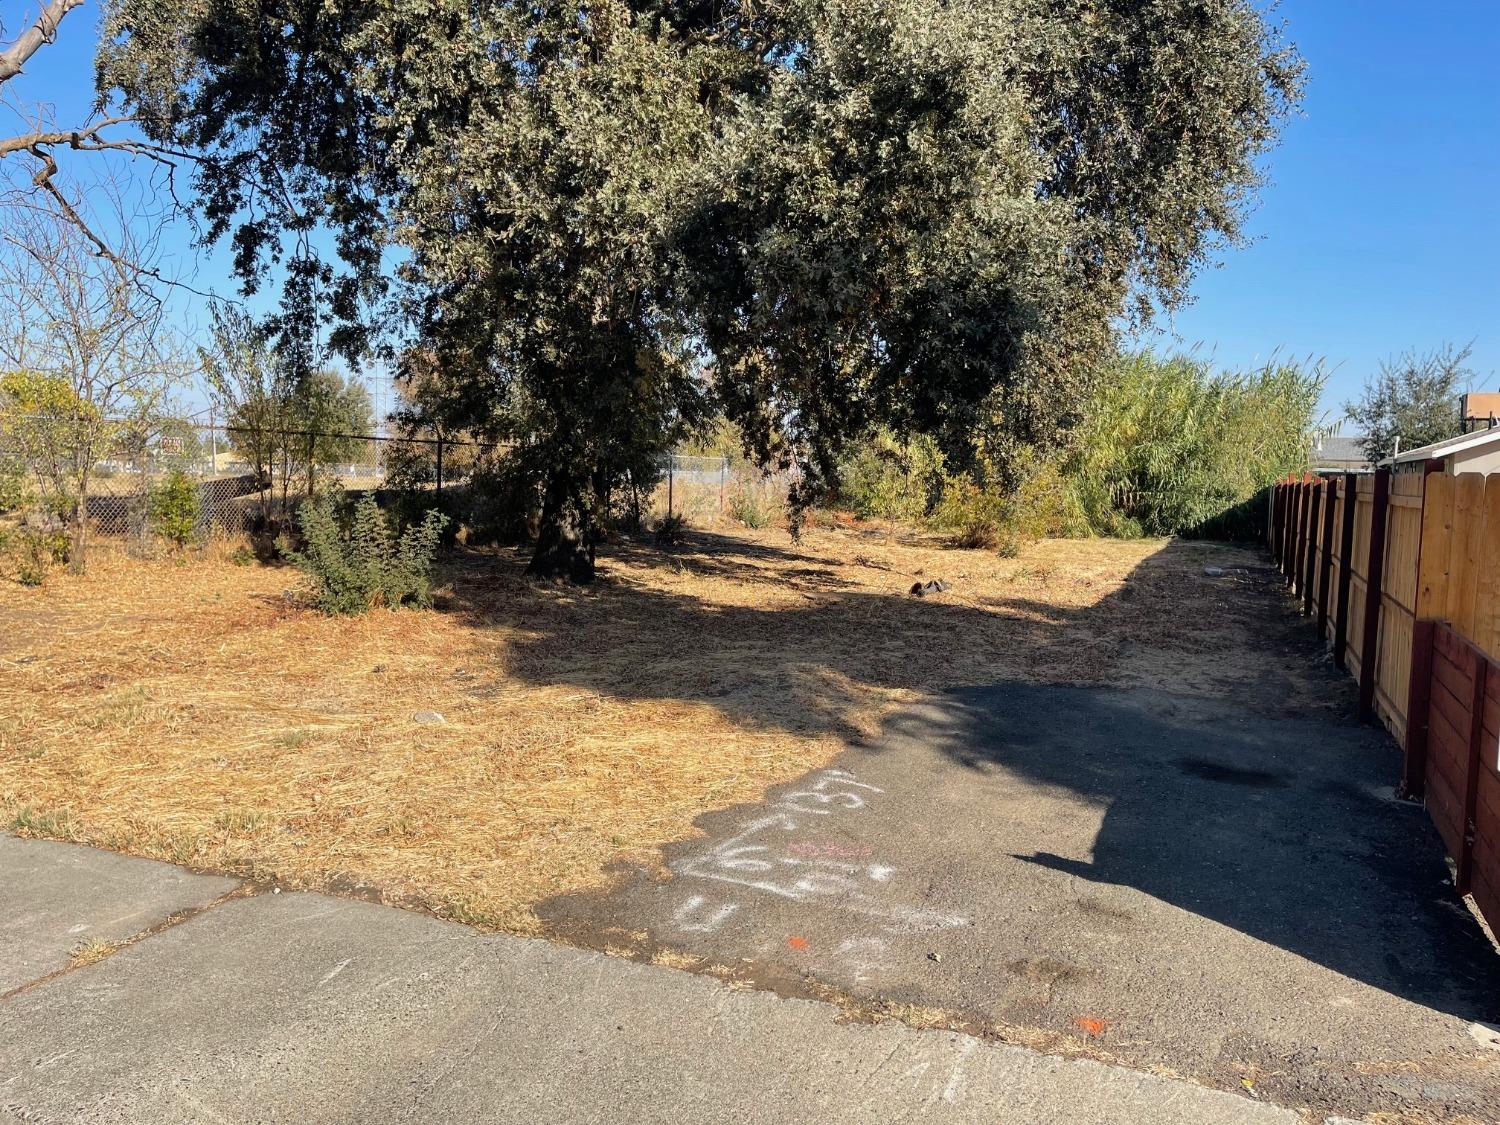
(752, 511)
(354, 560)
(669, 529)
(175, 506)
(891, 479)
(1179, 449)
(14, 494)
(30, 553)
(975, 519)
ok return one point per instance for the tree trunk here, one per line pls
(80, 529)
(565, 541)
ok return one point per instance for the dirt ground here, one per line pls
(523, 740)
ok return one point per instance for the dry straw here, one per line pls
(193, 710)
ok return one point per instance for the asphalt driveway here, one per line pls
(1187, 885)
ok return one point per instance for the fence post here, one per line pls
(1471, 775)
(671, 472)
(1346, 568)
(1418, 711)
(1314, 515)
(723, 475)
(1299, 546)
(440, 465)
(1289, 569)
(1326, 569)
(1369, 658)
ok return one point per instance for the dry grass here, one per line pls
(191, 710)
(90, 952)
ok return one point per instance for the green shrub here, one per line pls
(1173, 447)
(13, 491)
(30, 553)
(669, 529)
(356, 562)
(750, 509)
(892, 479)
(975, 519)
(175, 506)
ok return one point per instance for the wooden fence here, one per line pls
(1403, 575)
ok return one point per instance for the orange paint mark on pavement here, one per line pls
(797, 941)
(1092, 1024)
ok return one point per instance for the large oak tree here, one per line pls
(606, 220)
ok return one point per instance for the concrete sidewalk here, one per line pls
(298, 1007)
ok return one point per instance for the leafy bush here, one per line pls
(669, 529)
(750, 509)
(13, 491)
(30, 553)
(1179, 449)
(356, 562)
(175, 506)
(891, 479)
(977, 520)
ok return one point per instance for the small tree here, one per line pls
(250, 390)
(1413, 400)
(175, 508)
(330, 413)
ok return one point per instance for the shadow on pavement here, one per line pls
(1241, 806)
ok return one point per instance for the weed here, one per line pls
(750, 510)
(90, 952)
(670, 528)
(356, 563)
(31, 821)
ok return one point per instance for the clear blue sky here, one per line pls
(1379, 231)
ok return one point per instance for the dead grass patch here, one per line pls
(192, 710)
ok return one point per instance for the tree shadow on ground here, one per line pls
(1249, 797)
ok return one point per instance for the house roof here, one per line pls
(1446, 448)
(1338, 449)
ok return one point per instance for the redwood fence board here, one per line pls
(1402, 574)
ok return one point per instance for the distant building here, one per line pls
(1336, 453)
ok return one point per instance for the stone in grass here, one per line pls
(936, 586)
(428, 718)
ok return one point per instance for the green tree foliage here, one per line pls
(175, 506)
(357, 563)
(886, 478)
(45, 431)
(825, 214)
(1414, 399)
(283, 424)
(1176, 448)
(332, 413)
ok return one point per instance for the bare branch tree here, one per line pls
(38, 182)
(87, 349)
(42, 31)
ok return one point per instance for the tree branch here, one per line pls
(43, 31)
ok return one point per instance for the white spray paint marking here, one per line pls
(335, 971)
(862, 957)
(955, 1085)
(709, 923)
(755, 857)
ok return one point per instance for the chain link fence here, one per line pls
(241, 480)
(708, 491)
